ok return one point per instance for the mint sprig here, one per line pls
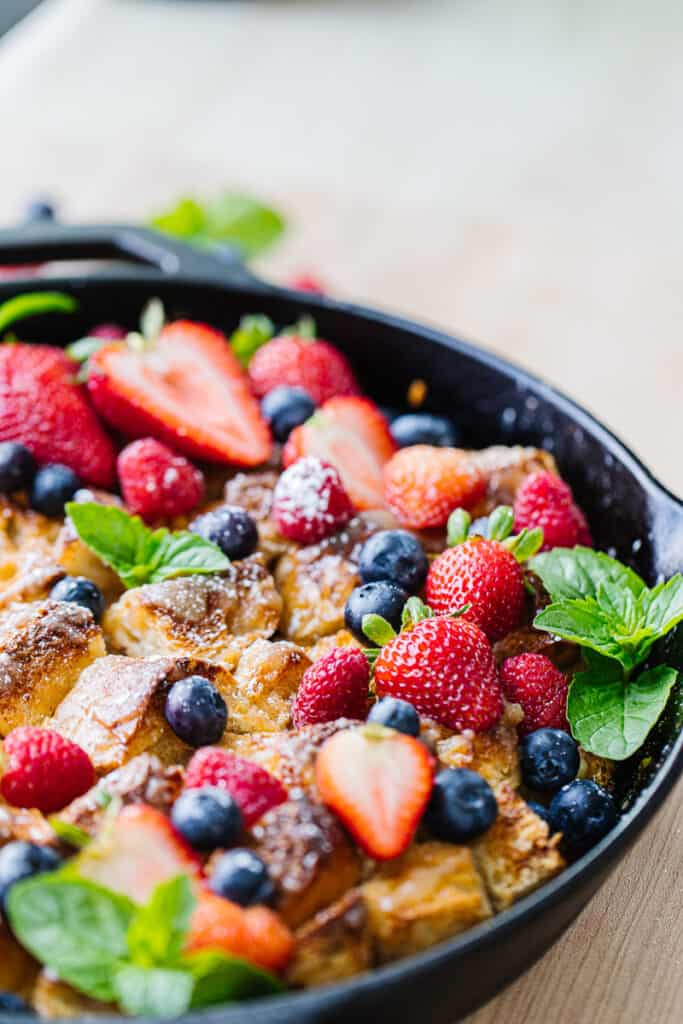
(608, 610)
(231, 218)
(139, 554)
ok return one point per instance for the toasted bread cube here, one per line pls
(494, 754)
(28, 568)
(328, 643)
(18, 969)
(116, 709)
(209, 617)
(333, 945)
(266, 680)
(310, 859)
(44, 647)
(505, 467)
(517, 854)
(599, 769)
(26, 824)
(77, 559)
(56, 1000)
(430, 893)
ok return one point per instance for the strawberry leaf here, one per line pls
(414, 611)
(526, 544)
(34, 304)
(501, 522)
(458, 527)
(378, 629)
(252, 333)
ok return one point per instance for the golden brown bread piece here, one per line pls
(26, 824)
(27, 565)
(517, 854)
(310, 859)
(77, 559)
(265, 681)
(18, 969)
(505, 467)
(53, 999)
(116, 709)
(333, 945)
(328, 643)
(210, 617)
(494, 754)
(430, 893)
(600, 769)
(44, 647)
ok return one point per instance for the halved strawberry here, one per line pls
(256, 934)
(378, 782)
(185, 388)
(352, 434)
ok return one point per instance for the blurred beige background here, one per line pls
(511, 171)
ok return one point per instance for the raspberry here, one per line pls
(444, 667)
(252, 788)
(484, 574)
(156, 482)
(43, 769)
(309, 501)
(314, 365)
(336, 686)
(423, 484)
(532, 681)
(546, 501)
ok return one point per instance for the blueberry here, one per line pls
(549, 759)
(380, 598)
(53, 486)
(241, 876)
(196, 711)
(583, 812)
(79, 590)
(424, 428)
(17, 467)
(19, 860)
(396, 556)
(39, 210)
(540, 810)
(9, 1003)
(396, 714)
(231, 528)
(462, 806)
(285, 408)
(207, 817)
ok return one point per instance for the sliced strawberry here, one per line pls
(378, 782)
(353, 435)
(186, 389)
(256, 934)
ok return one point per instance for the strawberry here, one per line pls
(43, 769)
(256, 934)
(484, 574)
(336, 686)
(185, 388)
(253, 789)
(309, 501)
(157, 483)
(43, 408)
(312, 364)
(136, 852)
(532, 681)
(546, 501)
(445, 668)
(353, 435)
(378, 782)
(423, 484)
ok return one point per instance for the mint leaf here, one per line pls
(378, 629)
(662, 607)
(75, 927)
(569, 573)
(611, 717)
(152, 991)
(157, 932)
(585, 623)
(252, 333)
(219, 978)
(138, 554)
(231, 218)
(34, 304)
(69, 833)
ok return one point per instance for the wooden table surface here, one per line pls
(509, 171)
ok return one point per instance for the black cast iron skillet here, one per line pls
(630, 513)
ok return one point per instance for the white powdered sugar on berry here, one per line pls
(309, 500)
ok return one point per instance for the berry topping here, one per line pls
(309, 501)
(378, 782)
(423, 484)
(157, 483)
(307, 283)
(231, 528)
(286, 408)
(540, 811)
(462, 806)
(445, 668)
(396, 556)
(424, 428)
(17, 467)
(196, 711)
(396, 714)
(38, 211)
(352, 434)
(52, 487)
(10, 1003)
(207, 818)
(255, 934)
(107, 332)
(336, 686)
(546, 501)
(549, 759)
(381, 598)
(20, 860)
(483, 574)
(314, 365)
(241, 876)
(583, 812)
(79, 590)
(532, 681)
(43, 769)
(253, 789)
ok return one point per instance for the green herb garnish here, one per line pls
(231, 219)
(253, 331)
(34, 304)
